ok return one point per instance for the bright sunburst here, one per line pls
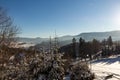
(116, 15)
(116, 19)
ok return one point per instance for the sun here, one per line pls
(117, 19)
(115, 15)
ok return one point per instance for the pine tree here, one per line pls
(109, 41)
(74, 48)
(82, 48)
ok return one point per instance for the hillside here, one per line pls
(100, 35)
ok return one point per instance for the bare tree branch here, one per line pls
(8, 31)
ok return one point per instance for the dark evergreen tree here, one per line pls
(89, 50)
(109, 41)
(104, 42)
(74, 48)
(81, 48)
(96, 46)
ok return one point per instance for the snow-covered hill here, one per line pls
(107, 68)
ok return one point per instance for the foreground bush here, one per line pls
(39, 67)
(81, 71)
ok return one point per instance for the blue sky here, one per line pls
(40, 18)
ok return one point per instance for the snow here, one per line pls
(67, 77)
(25, 45)
(105, 67)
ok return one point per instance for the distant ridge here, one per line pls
(100, 35)
(88, 36)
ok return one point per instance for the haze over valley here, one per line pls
(88, 36)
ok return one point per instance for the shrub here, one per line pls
(81, 71)
(41, 67)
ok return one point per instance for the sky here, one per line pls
(41, 18)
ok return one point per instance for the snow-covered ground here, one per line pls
(23, 45)
(105, 67)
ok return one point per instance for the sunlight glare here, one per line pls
(117, 19)
(116, 16)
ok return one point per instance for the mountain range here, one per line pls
(88, 36)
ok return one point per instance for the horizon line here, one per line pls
(66, 34)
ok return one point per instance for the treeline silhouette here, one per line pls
(94, 49)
